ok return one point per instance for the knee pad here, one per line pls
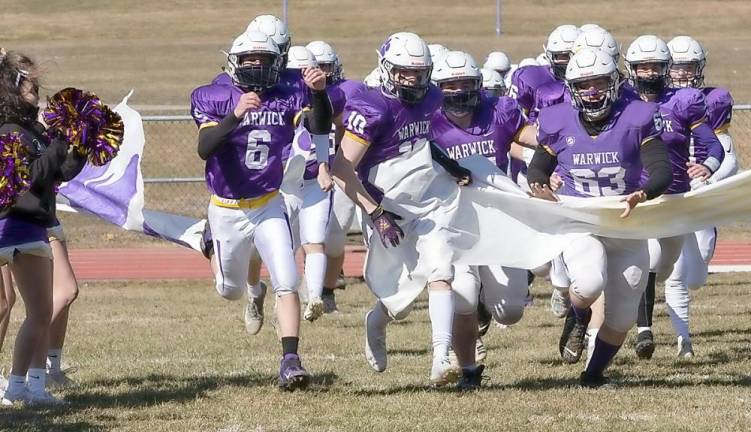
(229, 292)
(590, 285)
(506, 314)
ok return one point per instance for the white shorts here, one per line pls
(663, 253)
(37, 248)
(617, 267)
(503, 291)
(236, 231)
(690, 270)
(344, 214)
(308, 209)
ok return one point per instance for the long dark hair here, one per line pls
(15, 68)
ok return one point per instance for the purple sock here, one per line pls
(581, 314)
(601, 357)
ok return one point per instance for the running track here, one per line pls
(181, 263)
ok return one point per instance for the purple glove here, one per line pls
(385, 223)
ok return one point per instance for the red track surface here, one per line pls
(182, 263)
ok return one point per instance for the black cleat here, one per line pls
(471, 379)
(207, 242)
(645, 345)
(572, 341)
(292, 376)
(483, 319)
(592, 381)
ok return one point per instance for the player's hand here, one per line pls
(385, 223)
(543, 192)
(698, 171)
(555, 182)
(314, 78)
(324, 178)
(248, 101)
(632, 200)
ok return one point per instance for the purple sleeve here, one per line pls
(511, 116)
(691, 107)
(652, 125)
(719, 108)
(209, 104)
(222, 79)
(704, 137)
(545, 138)
(362, 119)
(520, 90)
(337, 98)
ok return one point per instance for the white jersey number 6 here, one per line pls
(257, 153)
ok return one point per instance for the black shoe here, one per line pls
(207, 242)
(645, 345)
(572, 341)
(591, 381)
(471, 379)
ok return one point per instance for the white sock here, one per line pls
(15, 383)
(677, 300)
(592, 336)
(54, 359)
(315, 270)
(379, 316)
(642, 329)
(36, 378)
(441, 311)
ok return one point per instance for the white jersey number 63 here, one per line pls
(587, 181)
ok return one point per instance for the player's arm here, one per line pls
(654, 158)
(704, 137)
(462, 175)
(347, 159)
(540, 168)
(729, 165)
(213, 135)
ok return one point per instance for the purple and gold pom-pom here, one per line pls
(14, 168)
(90, 127)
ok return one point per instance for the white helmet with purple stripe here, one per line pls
(405, 66)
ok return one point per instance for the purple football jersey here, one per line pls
(681, 110)
(387, 126)
(494, 125)
(604, 165)
(250, 163)
(549, 94)
(525, 81)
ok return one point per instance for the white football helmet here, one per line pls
(598, 39)
(492, 82)
(456, 66)
(327, 59)
(590, 26)
(528, 61)
(499, 62)
(405, 66)
(300, 57)
(648, 49)
(373, 79)
(273, 27)
(585, 66)
(255, 77)
(559, 46)
(437, 51)
(542, 59)
(685, 50)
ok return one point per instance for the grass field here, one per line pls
(173, 356)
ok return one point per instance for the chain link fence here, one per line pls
(173, 178)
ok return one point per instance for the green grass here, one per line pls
(173, 356)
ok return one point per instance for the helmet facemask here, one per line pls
(461, 96)
(397, 81)
(558, 63)
(594, 96)
(332, 70)
(681, 75)
(653, 84)
(256, 74)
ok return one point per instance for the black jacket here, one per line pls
(50, 163)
